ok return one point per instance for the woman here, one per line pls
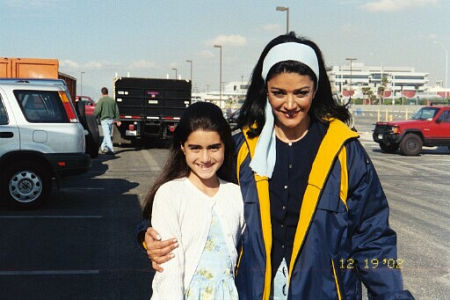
(316, 214)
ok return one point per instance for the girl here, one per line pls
(194, 202)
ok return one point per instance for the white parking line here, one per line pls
(49, 272)
(151, 161)
(82, 188)
(51, 217)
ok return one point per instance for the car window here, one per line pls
(426, 113)
(445, 116)
(3, 115)
(41, 106)
(87, 102)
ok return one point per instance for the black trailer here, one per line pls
(149, 107)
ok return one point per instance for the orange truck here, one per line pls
(36, 68)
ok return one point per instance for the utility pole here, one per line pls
(190, 61)
(286, 9)
(220, 75)
(351, 69)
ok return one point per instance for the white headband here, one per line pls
(291, 51)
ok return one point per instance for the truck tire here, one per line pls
(389, 148)
(26, 184)
(411, 144)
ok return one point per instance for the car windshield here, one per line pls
(426, 113)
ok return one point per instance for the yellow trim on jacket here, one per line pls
(332, 145)
(338, 289)
(344, 176)
(262, 188)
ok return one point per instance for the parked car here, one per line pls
(233, 117)
(41, 138)
(89, 104)
(429, 126)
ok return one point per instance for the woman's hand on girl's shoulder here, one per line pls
(158, 251)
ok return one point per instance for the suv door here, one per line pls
(442, 125)
(9, 133)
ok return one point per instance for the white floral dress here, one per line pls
(213, 279)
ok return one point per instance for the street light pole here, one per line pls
(176, 72)
(220, 75)
(446, 62)
(190, 61)
(286, 9)
(81, 83)
(351, 69)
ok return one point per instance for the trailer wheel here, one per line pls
(26, 184)
(411, 145)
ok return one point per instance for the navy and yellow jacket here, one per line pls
(342, 238)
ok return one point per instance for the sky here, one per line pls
(149, 38)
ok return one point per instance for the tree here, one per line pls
(382, 88)
(367, 91)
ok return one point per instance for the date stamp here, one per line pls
(372, 263)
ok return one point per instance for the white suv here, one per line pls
(40, 138)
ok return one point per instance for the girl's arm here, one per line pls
(168, 284)
(158, 251)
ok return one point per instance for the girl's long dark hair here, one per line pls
(201, 115)
(323, 105)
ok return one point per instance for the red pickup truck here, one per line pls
(429, 126)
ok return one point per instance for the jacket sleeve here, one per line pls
(374, 243)
(141, 228)
(168, 284)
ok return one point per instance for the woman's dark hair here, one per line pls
(323, 105)
(200, 115)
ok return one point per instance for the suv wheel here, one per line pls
(27, 184)
(389, 148)
(411, 144)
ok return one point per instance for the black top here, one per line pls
(287, 186)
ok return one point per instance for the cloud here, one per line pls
(395, 5)
(67, 63)
(206, 53)
(32, 3)
(349, 2)
(233, 40)
(271, 27)
(143, 64)
(92, 65)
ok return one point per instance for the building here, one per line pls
(350, 81)
(232, 97)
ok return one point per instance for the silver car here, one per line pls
(41, 138)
